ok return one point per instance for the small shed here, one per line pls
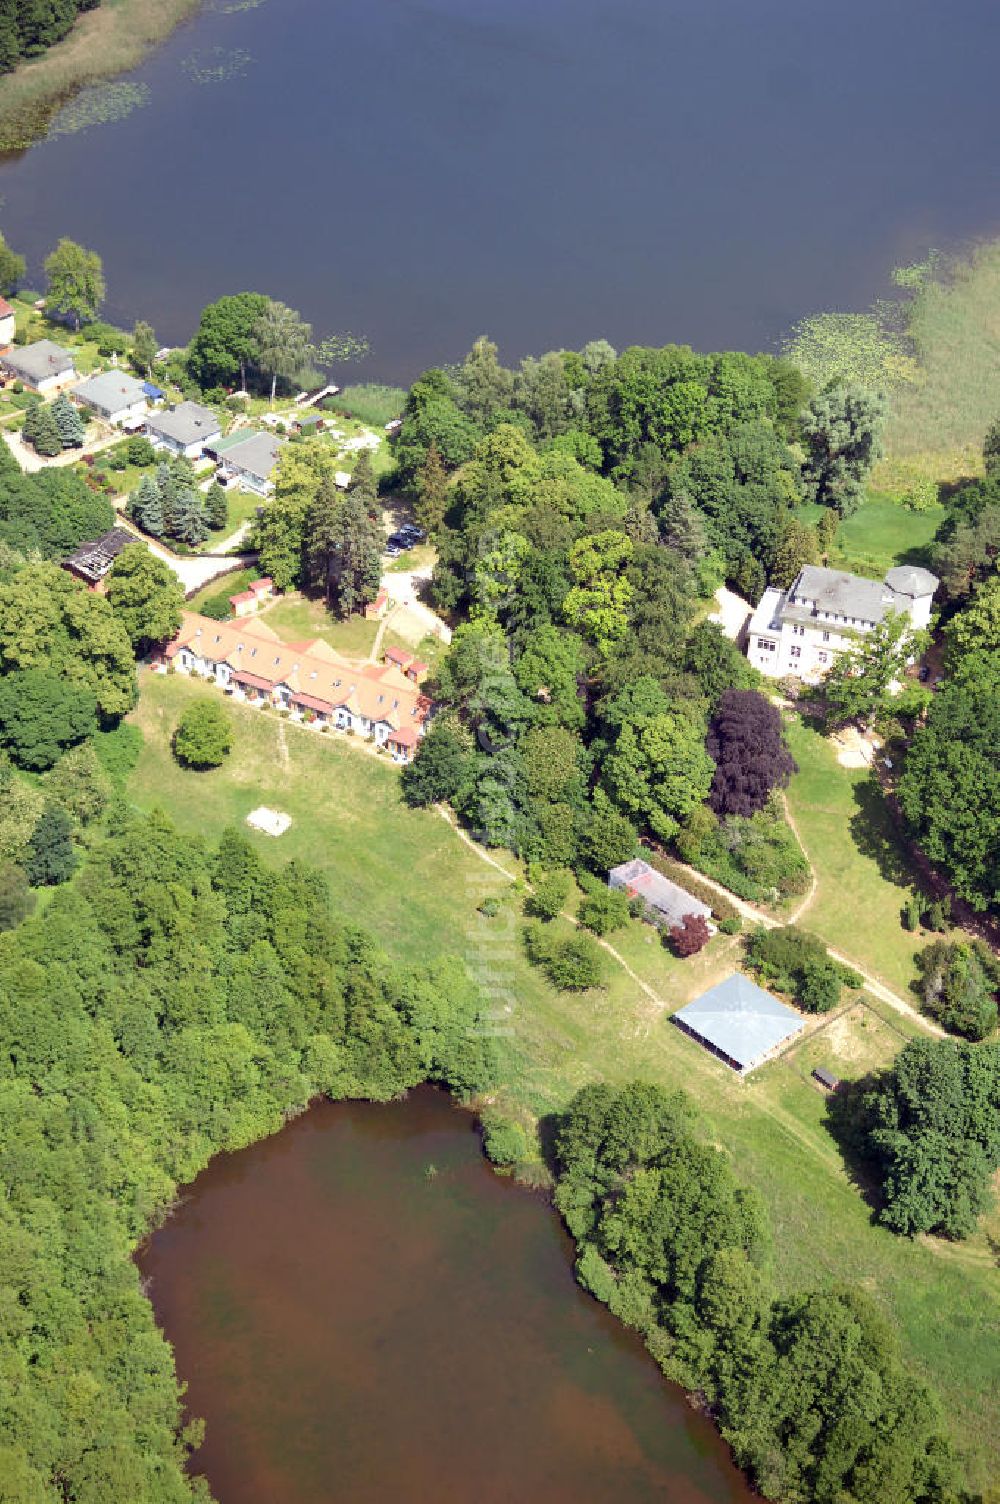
(826, 1078)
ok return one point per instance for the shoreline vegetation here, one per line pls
(103, 43)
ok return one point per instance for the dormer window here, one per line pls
(218, 636)
(313, 674)
(277, 660)
(253, 652)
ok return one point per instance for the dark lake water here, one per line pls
(354, 1329)
(548, 171)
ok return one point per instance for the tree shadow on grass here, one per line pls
(845, 1121)
(874, 835)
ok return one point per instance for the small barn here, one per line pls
(739, 1022)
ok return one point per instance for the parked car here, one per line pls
(392, 551)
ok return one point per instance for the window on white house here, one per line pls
(823, 657)
(826, 637)
(796, 652)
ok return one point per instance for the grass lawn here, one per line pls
(880, 533)
(862, 876)
(410, 879)
(298, 619)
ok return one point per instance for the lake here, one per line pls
(547, 171)
(355, 1324)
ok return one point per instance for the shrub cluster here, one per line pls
(798, 963)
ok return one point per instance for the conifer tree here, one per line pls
(683, 527)
(355, 556)
(216, 506)
(50, 857)
(147, 509)
(432, 491)
(188, 521)
(41, 431)
(69, 422)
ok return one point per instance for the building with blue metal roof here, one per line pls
(739, 1022)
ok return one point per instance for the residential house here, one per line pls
(186, 429)
(114, 396)
(249, 458)
(310, 680)
(8, 325)
(801, 630)
(92, 561)
(246, 602)
(666, 904)
(43, 366)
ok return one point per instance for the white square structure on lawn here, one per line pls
(271, 821)
(739, 1022)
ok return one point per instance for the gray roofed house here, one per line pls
(184, 429)
(739, 1022)
(113, 395)
(834, 592)
(911, 581)
(43, 365)
(666, 902)
(250, 456)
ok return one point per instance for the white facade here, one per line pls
(801, 631)
(8, 327)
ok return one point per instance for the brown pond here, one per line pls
(356, 1326)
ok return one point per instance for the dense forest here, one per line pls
(28, 27)
(584, 507)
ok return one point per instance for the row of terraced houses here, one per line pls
(314, 684)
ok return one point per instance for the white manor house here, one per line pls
(801, 630)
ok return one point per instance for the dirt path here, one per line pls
(875, 987)
(757, 916)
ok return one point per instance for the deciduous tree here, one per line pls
(41, 714)
(842, 434)
(747, 744)
(76, 281)
(204, 735)
(146, 596)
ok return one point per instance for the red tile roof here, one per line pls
(375, 691)
(5, 309)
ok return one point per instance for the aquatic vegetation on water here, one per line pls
(98, 105)
(231, 7)
(858, 347)
(217, 65)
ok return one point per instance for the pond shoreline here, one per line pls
(103, 43)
